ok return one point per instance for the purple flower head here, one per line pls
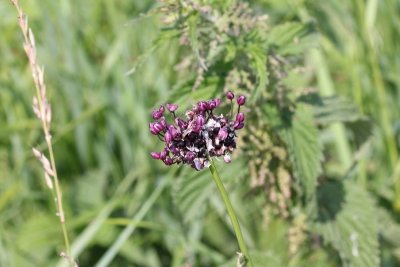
(172, 107)
(241, 100)
(201, 134)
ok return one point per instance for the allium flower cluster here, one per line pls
(201, 134)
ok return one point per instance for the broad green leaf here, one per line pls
(301, 137)
(332, 109)
(347, 221)
(258, 58)
(291, 38)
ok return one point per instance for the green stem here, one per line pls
(231, 212)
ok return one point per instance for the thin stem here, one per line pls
(231, 213)
(37, 74)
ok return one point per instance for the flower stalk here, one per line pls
(42, 110)
(231, 213)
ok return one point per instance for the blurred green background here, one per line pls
(101, 139)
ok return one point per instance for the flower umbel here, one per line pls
(201, 134)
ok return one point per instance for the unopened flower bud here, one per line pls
(168, 161)
(155, 155)
(202, 106)
(230, 95)
(167, 137)
(157, 114)
(241, 100)
(199, 123)
(158, 127)
(163, 123)
(227, 158)
(152, 129)
(163, 154)
(217, 101)
(181, 123)
(172, 107)
(240, 117)
(161, 109)
(172, 130)
(238, 125)
(212, 105)
(190, 156)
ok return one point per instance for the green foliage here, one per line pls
(125, 209)
(347, 221)
(301, 137)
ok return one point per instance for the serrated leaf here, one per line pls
(258, 59)
(332, 109)
(301, 137)
(346, 220)
(291, 38)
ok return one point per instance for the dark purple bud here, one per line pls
(173, 131)
(181, 123)
(163, 154)
(157, 114)
(238, 125)
(199, 123)
(163, 123)
(217, 101)
(241, 100)
(155, 155)
(230, 95)
(240, 117)
(190, 156)
(172, 107)
(152, 129)
(223, 133)
(161, 109)
(212, 105)
(168, 161)
(202, 106)
(167, 137)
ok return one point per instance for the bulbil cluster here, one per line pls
(202, 134)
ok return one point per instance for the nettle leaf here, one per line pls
(332, 109)
(346, 220)
(292, 38)
(194, 188)
(301, 137)
(258, 59)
